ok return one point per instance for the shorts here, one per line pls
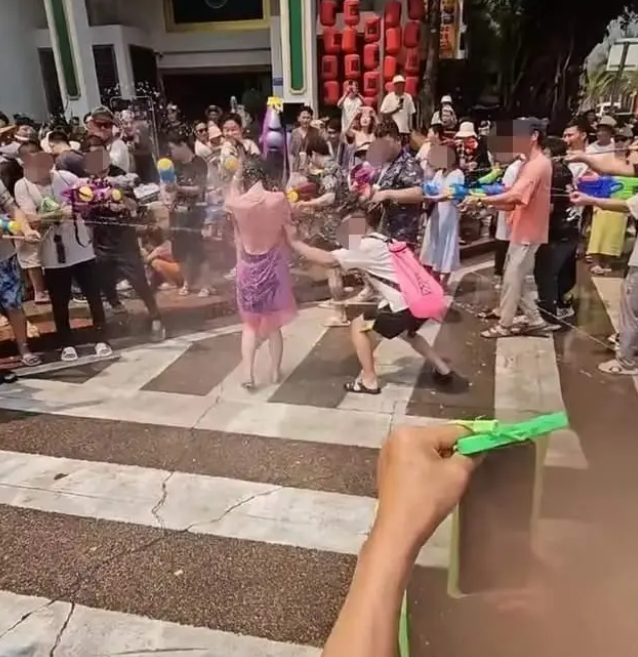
(11, 296)
(28, 255)
(391, 325)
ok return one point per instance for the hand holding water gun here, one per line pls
(11, 229)
(300, 189)
(166, 171)
(618, 187)
(460, 193)
(362, 178)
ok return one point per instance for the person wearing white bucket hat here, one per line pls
(466, 131)
(445, 115)
(399, 106)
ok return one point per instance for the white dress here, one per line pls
(441, 244)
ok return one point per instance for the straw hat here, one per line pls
(466, 130)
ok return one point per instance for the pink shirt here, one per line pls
(260, 217)
(530, 218)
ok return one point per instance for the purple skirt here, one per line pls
(264, 290)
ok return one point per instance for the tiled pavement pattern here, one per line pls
(152, 506)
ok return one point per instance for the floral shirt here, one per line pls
(331, 179)
(401, 222)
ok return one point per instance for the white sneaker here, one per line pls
(103, 350)
(68, 355)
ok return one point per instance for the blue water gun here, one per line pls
(619, 187)
(458, 193)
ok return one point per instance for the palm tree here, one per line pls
(596, 85)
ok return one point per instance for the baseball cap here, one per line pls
(398, 79)
(102, 115)
(446, 99)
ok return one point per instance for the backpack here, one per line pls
(421, 292)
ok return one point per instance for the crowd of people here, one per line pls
(226, 194)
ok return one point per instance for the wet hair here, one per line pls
(255, 170)
(317, 144)
(556, 146)
(306, 108)
(387, 128)
(10, 173)
(4, 118)
(232, 116)
(92, 141)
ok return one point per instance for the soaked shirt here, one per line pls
(401, 221)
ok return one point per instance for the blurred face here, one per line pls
(214, 114)
(304, 119)
(318, 160)
(127, 119)
(366, 119)
(172, 114)
(604, 135)
(179, 152)
(37, 167)
(201, 132)
(399, 88)
(390, 148)
(214, 133)
(574, 138)
(96, 161)
(591, 118)
(231, 130)
(353, 89)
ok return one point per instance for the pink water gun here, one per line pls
(362, 177)
(93, 193)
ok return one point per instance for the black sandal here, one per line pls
(8, 376)
(358, 388)
(488, 314)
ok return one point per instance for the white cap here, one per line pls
(466, 129)
(446, 99)
(398, 79)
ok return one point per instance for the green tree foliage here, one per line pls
(531, 52)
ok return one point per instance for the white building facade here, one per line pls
(65, 52)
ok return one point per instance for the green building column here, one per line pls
(299, 51)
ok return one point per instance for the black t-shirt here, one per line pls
(563, 219)
(112, 231)
(191, 174)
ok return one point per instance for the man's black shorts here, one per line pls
(391, 325)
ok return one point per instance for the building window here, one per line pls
(144, 67)
(55, 105)
(215, 14)
(106, 72)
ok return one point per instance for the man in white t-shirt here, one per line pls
(350, 104)
(11, 298)
(66, 249)
(400, 107)
(391, 319)
(604, 137)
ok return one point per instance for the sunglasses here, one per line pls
(200, 130)
(101, 125)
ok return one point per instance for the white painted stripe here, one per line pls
(199, 504)
(527, 383)
(99, 633)
(139, 365)
(300, 337)
(610, 291)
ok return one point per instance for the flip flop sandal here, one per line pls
(30, 360)
(614, 367)
(498, 331)
(539, 330)
(358, 388)
(488, 314)
(8, 376)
